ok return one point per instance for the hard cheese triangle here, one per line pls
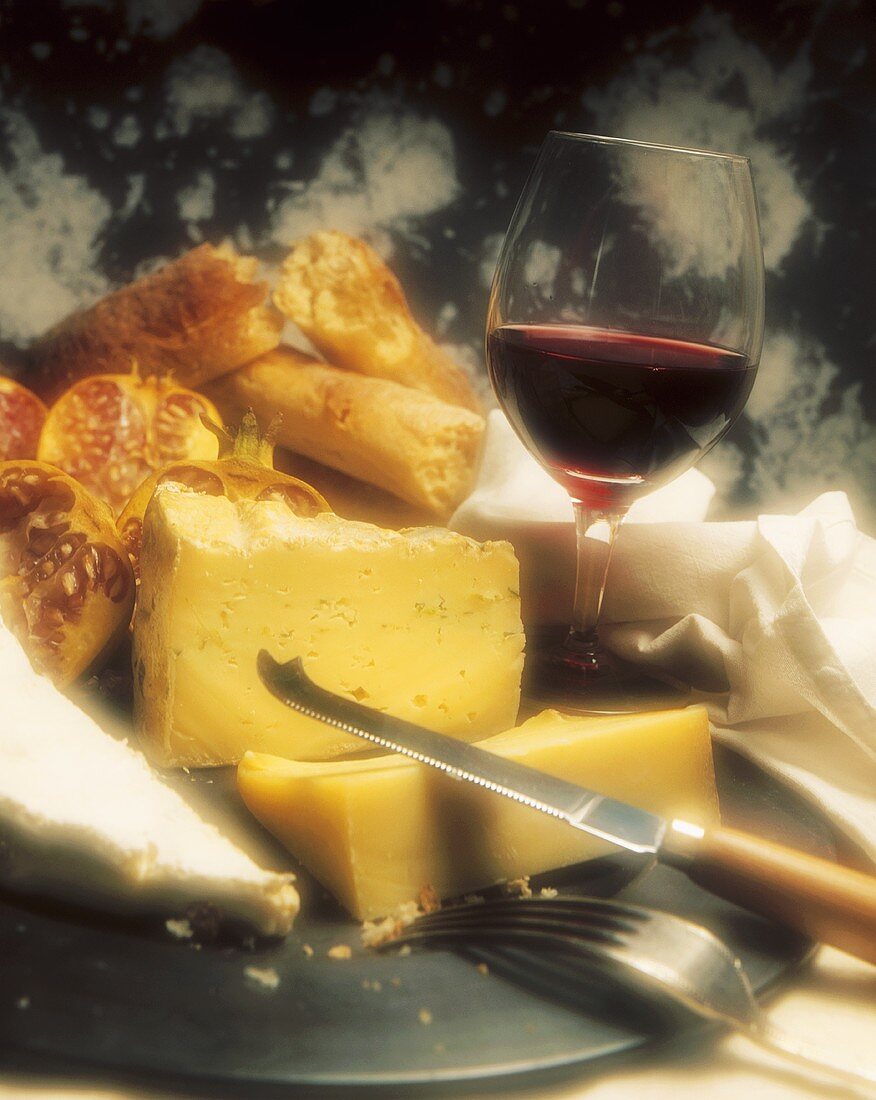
(423, 623)
(83, 817)
(375, 832)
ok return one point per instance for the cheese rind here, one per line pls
(423, 623)
(376, 831)
(83, 816)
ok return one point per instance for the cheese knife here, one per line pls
(823, 900)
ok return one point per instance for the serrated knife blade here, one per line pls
(621, 824)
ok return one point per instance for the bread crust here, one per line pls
(352, 308)
(406, 442)
(196, 318)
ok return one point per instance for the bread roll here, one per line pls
(352, 308)
(409, 443)
(198, 317)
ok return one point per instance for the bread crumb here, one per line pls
(375, 933)
(395, 981)
(23, 1003)
(428, 899)
(483, 969)
(307, 949)
(263, 977)
(518, 887)
(340, 951)
(474, 899)
(180, 929)
(404, 950)
(439, 1048)
(547, 892)
(425, 1017)
(375, 985)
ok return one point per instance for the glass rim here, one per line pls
(649, 145)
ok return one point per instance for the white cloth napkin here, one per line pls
(772, 622)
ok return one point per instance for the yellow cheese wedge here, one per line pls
(376, 831)
(424, 623)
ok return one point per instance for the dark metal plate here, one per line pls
(82, 994)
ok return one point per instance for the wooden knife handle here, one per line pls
(825, 901)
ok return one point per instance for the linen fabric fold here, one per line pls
(773, 623)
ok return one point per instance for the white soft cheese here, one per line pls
(83, 816)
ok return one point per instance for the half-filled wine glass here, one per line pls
(623, 335)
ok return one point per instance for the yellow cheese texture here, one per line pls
(422, 623)
(375, 832)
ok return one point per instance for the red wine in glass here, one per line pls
(612, 414)
(624, 328)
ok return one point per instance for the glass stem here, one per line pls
(595, 532)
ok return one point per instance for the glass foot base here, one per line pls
(560, 675)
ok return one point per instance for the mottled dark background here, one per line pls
(134, 128)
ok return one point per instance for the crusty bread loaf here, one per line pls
(407, 442)
(351, 498)
(352, 308)
(198, 317)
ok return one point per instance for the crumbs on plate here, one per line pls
(180, 929)
(375, 933)
(263, 977)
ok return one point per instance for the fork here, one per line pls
(658, 956)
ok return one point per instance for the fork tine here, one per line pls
(532, 956)
(497, 925)
(569, 904)
(486, 935)
(571, 909)
(578, 918)
(587, 987)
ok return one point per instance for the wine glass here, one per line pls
(623, 335)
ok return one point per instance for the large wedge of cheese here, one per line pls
(83, 817)
(376, 831)
(423, 623)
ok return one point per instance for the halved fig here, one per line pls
(112, 431)
(243, 471)
(66, 583)
(22, 415)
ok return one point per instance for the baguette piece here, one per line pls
(352, 308)
(409, 443)
(198, 317)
